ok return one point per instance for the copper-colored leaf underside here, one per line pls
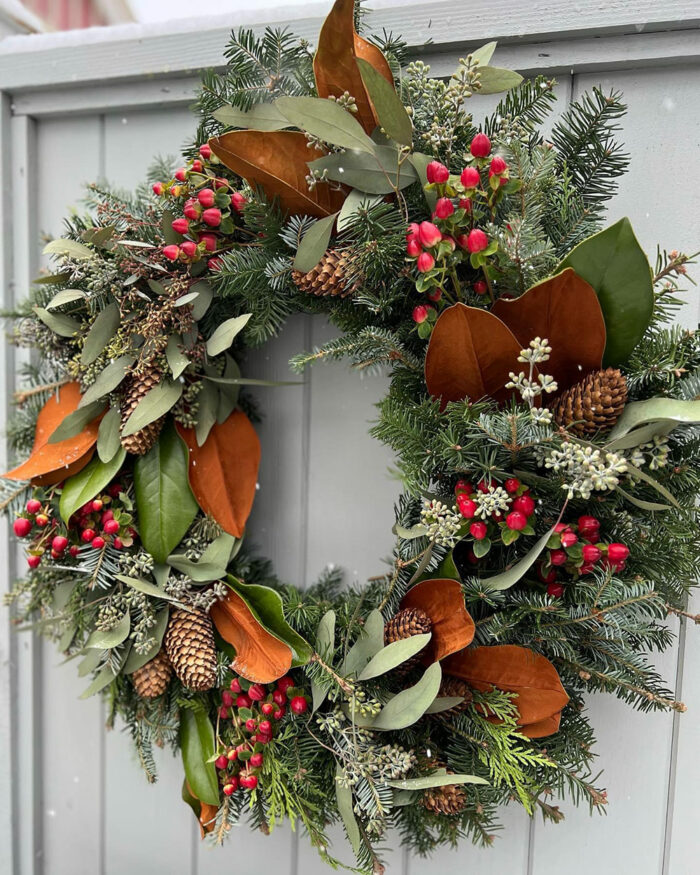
(260, 657)
(564, 309)
(508, 667)
(207, 814)
(452, 626)
(276, 162)
(51, 463)
(370, 53)
(470, 355)
(223, 472)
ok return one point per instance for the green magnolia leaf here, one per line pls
(164, 500)
(369, 642)
(225, 333)
(655, 412)
(108, 440)
(220, 551)
(393, 655)
(420, 162)
(137, 660)
(103, 679)
(71, 248)
(65, 296)
(154, 404)
(387, 104)
(267, 607)
(484, 54)
(437, 780)
(177, 361)
(512, 575)
(86, 484)
(444, 703)
(325, 645)
(314, 243)
(190, 800)
(76, 421)
(494, 80)
(343, 798)
(101, 332)
(260, 117)
(205, 294)
(198, 746)
(59, 323)
(613, 262)
(107, 380)
(408, 706)
(111, 638)
(352, 204)
(326, 120)
(376, 173)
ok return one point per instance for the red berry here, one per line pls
(182, 226)
(232, 754)
(205, 151)
(117, 543)
(251, 724)
(256, 692)
(243, 701)
(437, 172)
(429, 234)
(497, 166)
(444, 208)
(250, 782)
(463, 486)
(265, 727)
(33, 561)
(484, 486)
(478, 530)
(111, 527)
(197, 166)
(279, 713)
(588, 522)
(568, 539)
(555, 590)
(284, 683)
(413, 247)
(206, 197)
(279, 697)
(115, 490)
(59, 543)
(192, 209)
(618, 553)
(158, 188)
(470, 177)
(467, 507)
(223, 713)
(33, 505)
(425, 262)
(212, 217)
(256, 761)
(107, 515)
(238, 201)
(546, 577)
(267, 709)
(22, 527)
(87, 535)
(558, 557)
(299, 705)
(215, 264)
(75, 550)
(98, 543)
(229, 789)
(512, 485)
(41, 520)
(480, 287)
(465, 204)
(591, 553)
(235, 686)
(477, 241)
(221, 762)
(209, 241)
(420, 314)
(189, 247)
(434, 295)
(480, 146)
(171, 252)
(516, 520)
(181, 174)
(227, 699)
(524, 503)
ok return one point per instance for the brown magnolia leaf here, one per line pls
(452, 626)
(373, 55)
(260, 657)
(207, 813)
(59, 460)
(64, 473)
(223, 472)
(276, 162)
(565, 309)
(470, 355)
(335, 61)
(540, 694)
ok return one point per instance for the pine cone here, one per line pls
(328, 277)
(136, 387)
(405, 624)
(594, 404)
(450, 686)
(450, 799)
(189, 643)
(152, 679)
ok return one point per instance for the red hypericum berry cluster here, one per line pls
(209, 205)
(249, 717)
(506, 524)
(575, 549)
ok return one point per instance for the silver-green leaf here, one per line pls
(325, 119)
(225, 333)
(155, 403)
(393, 655)
(314, 243)
(410, 705)
(107, 379)
(101, 332)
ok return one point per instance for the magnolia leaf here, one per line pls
(111, 638)
(391, 113)
(436, 780)
(452, 627)
(135, 659)
(327, 120)
(343, 798)
(484, 54)
(494, 80)
(613, 262)
(108, 440)
(177, 361)
(198, 746)
(205, 294)
(65, 296)
(164, 501)
(260, 117)
(314, 243)
(225, 333)
(154, 404)
(355, 201)
(100, 333)
(107, 380)
(375, 173)
(76, 422)
(82, 487)
(408, 706)
(369, 642)
(325, 645)
(654, 410)
(444, 703)
(59, 323)
(393, 655)
(71, 248)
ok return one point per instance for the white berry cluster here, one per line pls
(654, 454)
(585, 468)
(442, 523)
(529, 387)
(491, 502)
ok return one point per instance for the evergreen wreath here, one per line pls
(541, 407)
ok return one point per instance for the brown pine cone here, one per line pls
(152, 679)
(189, 644)
(135, 388)
(448, 800)
(405, 624)
(449, 687)
(328, 277)
(594, 404)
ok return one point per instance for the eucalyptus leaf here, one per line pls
(343, 798)
(108, 440)
(387, 104)
(154, 404)
(105, 640)
(76, 421)
(484, 53)
(651, 481)
(107, 380)
(512, 575)
(187, 298)
(495, 80)
(101, 332)
(86, 484)
(225, 333)
(145, 587)
(352, 204)
(417, 531)
(393, 655)
(103, 679)
(207, 406)
(205, 294)
(198, 746)
(71, 248)
(444, 703)
(177, 361)
(654, 410)
(325, 645)
(65, 296)
(325, 119)
(408, 706)
(314, 243)
(59, 323)
(376, 173)
(200, 572)
(260, 117)
(89, 663)
(437, 780)
(135, 659)
(641, 503)
(369, 642)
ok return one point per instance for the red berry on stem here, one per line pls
(511, 485)
(548, 576)
(115, 490)
(223, 712)
(229, 789)
(243, 701)
(182, 226)
(256, 760)
(41, 520)
(235, 686)
(250, 782)
(265, 727)
(117, 543)
(111, 527)
(437, 172)
(420, 314)
(413, 247)
(434, 295)
(477, 240)
(516, 520)
(480, 287)
(206, 197)
(279, 697)
(463, 486)
(238, 201)
(478, 530)
(87, 535)
(171, 252)
(429, 234)
(192, 209)
(558, 557)
(33, 561)
(568, 539)
(618, 552)
(267, 709)
(205, 151)
(497, 166)
(232, 754)
(75, 550)
(197, 166)
(251, 724)
(470, 177)
(525, 504)
(209, 241)
(299, 705)
(588, 522)
(555, 590)
(284, 683)
(181, 174)
(212, 217)
(465, 204)
(59, 543)
(98, 542)
(425, 262)
(22, 527)
(158, 188)
(221, 762)
(444, 208)
(227, 699)
(466, 506)
(189, 248)
(279, 713)
(591, 553)
(480, 146)
(256, 692)
(33, 505)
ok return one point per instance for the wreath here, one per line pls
(541, 408)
